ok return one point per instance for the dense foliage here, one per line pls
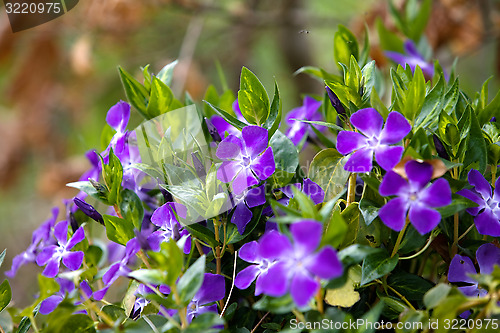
(202, 218)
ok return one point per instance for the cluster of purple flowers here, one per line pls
(280, 266)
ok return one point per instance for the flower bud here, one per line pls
(213, 131)
(89, 210)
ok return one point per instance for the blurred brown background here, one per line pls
(58, 80)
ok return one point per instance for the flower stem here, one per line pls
(351, 189)
(144, 259)
(400, 238)
(431, 238)
(454, 246)
(182, 311)
(319, 301)
(493, 175)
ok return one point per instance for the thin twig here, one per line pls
(260, 321)
(150, 323)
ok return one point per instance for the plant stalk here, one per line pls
(351, 189)
(400, 238)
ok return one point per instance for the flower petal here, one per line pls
(250, 252)
(256, 196)
(393, 213)
(395, 129)
(306, 236)
(274, 245)
(111, 274)
(419, 174)
(303, 288)
(314, 191)
(50, 303)
(487, 255)
(360, 161)
(297, 131)
(274, 282)
(227, 150)
(52, 268)
(264, 165)
(388, 156)
(77, 237)
(487, 223)
(256, 139)
(73, 260)
(348, 141)
(438, 194)
(474, 196)
(496, 196)
(241, 216)
(243, 180)
(460, 268)
(47, 253)
(118, 116)
(228, 170)
(212, 289)
(473, 291)
(85, 288)
(61, 232)
(393, 184)
(424, 219)
(245, 278)
(325, 264)
(480, 184)
(368, 121)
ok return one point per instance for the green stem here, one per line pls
(351, 189)
(493, 175)
(400, 238)
(431, 238)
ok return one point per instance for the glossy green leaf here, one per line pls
(344, 45)
(377, 265)
(429, 114)
(458, 204)
(136, 93)
(151, 276)
(93, 189)
(112, 174)
(166, 74)
(286, 158)
(436, 295)
(278, 305)
(160, 98)
(327, 170)
(412, 286)
(273, 121)
(5, 294)
(336, 228)
(118, 230)
(228, 117)
(132, 208)
(191, 281)
(250, 82)
(253, 109)
(476, 154)
(2, 257)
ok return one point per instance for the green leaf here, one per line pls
(166, 74)
(93, 189)
(175, 261)
(414, 96)
(436, 295)
(377, 265)
(112, 174)
(476, 154)
(345, 45)
(191, 281)
(369, 210)
(131, 208)
(5, 294)
(229, 118)
(429, 115)
(356, 253)
(327, 170)
(371, 317)
(419, 22)
(202, 233)
(412, 286)
(336, 229)
(388, 39)
(136, 93)
(118, 230)
(160, 99)
(252, 107)
(116, 313)
(278, 305)
(273, 121)
(151, 276)
(205, 323)
(322, 123)
(346, 95)
(491, 110)
(286, 158)
(250, 82)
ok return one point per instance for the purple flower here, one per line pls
(88, 210)
(308, 111)
(242, 213)
(118, 117)
(487, 214)
(53, 254)
(95, 170)
(50, 303)
(120, 268)
(290, 267)
(461, 267)
(246, 160)
(41, 238)
(374, 138)
(412, 58)
(415, 196)
(212, 289)
(169, 228)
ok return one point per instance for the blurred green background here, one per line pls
(58, 80)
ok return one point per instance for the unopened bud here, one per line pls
(89, 210)
(213, 131)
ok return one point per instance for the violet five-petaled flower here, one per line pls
(212, 289)
(246, 159)
(412, 58)
(40, 239)
(242, 214)
(308, 111)
(461, 267)
(487, 213)
(283, 266)
(168, 226)
(53, 254)
(374, 138)
(415, 197)
(50, 303)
